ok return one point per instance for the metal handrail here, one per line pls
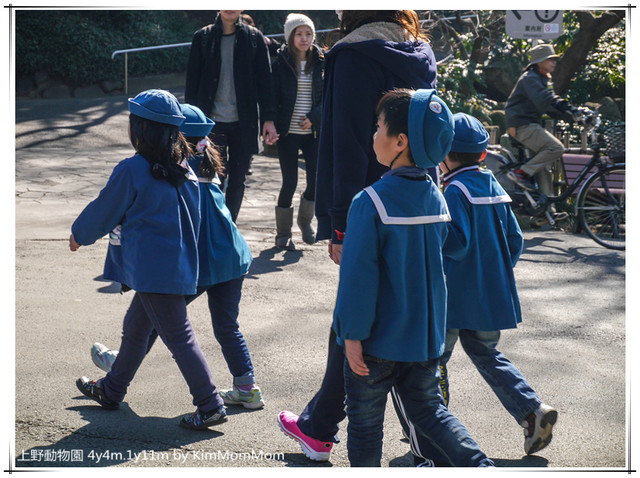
(176, 45)
(160, 47)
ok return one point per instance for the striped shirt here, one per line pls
(304, 101)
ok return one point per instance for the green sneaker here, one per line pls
(251, 399)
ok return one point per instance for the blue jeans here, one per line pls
(416, 385)
(167, 314)
(224, 306)
(326, 410)
(506, 381)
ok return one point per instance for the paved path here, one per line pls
(571, 346)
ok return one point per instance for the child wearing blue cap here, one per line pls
(224, 258)
(481, 250)
(391, 302)
(150, 209)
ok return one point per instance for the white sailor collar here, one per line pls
(475, 187)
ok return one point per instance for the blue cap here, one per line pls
(196, 124)
(157, 105)
(430, 128)
(470, 135)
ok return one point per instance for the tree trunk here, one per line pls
(591, 29)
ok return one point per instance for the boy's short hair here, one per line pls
(424, 118)
(467, 159)
(394, 105)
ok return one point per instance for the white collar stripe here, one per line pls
(480, 200)
(447, 177)
(403, 221)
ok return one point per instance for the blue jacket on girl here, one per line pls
(224, 254)
(357, 74)
(159, 229)
(392, 294)
(482, 248)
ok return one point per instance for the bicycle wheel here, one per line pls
(601, 207)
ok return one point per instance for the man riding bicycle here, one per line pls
(532, 97)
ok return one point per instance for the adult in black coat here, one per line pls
(229, 87)
(285, 87)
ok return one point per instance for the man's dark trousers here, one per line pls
(227, 139)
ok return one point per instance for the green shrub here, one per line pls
(76, 46)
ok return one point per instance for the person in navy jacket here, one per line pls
(482, 248)
(150, 209)
(390, 311)
(380, 50)
(379, 53)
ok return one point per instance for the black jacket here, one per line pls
(251, 71)
(532, 97)
(285, 83)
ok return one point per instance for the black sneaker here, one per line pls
(94, 391)
(202, 421)
(522, 179)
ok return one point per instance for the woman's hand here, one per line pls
(73, 245)
(269, 133)
(353, 352)
(335, 252)
(305, 123)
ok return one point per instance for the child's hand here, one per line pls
(73, 245)
(353, 351)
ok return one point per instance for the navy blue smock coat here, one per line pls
(482, 248)
(356, 77)
(156, 250)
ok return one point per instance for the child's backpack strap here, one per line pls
(480, 200)
(403, 221)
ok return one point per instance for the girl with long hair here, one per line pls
(150, 209)
(297, 74)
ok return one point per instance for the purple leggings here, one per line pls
(166, 313)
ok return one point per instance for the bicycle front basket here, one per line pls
(615, 141)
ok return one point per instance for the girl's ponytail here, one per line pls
(211, 162)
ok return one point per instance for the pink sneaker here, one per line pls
(314, 449)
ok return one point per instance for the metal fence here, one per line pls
(177, 45)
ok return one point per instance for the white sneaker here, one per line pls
(103, 357)
(538, 427)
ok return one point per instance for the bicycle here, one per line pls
(600, 203)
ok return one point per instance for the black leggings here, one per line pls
(288, 147)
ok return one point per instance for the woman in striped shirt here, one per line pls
(297, 73)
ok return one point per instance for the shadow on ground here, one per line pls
(266, 261)
(103, 441)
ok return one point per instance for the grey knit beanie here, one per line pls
(295, 20)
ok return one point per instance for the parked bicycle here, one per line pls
(600, 202)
